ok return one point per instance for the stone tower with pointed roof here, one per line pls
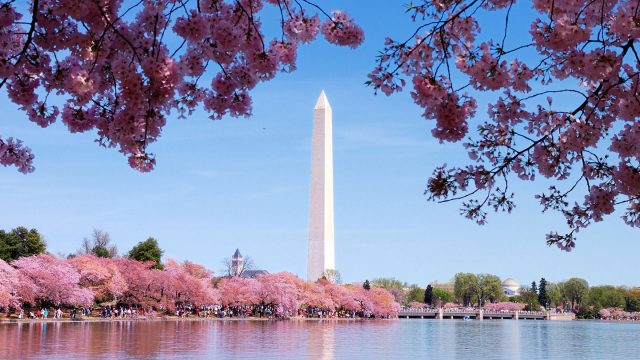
(321, 247)
(237, 263)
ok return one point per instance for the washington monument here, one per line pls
(321, 246)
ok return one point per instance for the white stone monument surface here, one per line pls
(321, 245)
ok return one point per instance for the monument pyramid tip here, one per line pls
(323, 102)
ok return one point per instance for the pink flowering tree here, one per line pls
(350, 298)
(504, 306)
(9, 285)
(384, 303)
(121, 67)
(100, 275)
(360, 297)
(313, 295)
(604, 313)
(141, 285)
(55, 281)
(180, 286)
(564, 103)
(281, 290)
(239, 291)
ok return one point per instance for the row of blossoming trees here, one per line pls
(87, 280)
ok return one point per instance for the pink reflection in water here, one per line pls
(168, 339)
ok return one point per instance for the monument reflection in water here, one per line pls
(322, 339)
(166, 339)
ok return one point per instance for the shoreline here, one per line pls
(252, 319)
(170, 318)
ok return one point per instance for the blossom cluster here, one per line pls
(85, 280)
(591, 147)
(120, 69)
(618, 314)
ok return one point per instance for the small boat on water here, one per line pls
(466, 318)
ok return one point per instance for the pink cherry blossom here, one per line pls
(120, 69)
(14, 153)
(582, 53)
(342, 30)
(239, 291)
(55, 280)
(9, 286)
(100, 275)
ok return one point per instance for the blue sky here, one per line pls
(244, 183)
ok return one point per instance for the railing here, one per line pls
(471, 311)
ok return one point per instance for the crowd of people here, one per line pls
(125, 312)
(618, 315)
(181, 289)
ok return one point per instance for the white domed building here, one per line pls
(510, 287)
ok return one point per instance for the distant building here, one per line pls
(254, 273)
(510, 287)
(239, 267)
(237, 264)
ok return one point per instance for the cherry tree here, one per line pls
(120, 68)
(9, 283)
(343, 297)
(281, 290)
(238, 291)
(504, 306)
(313, 295)
(141, 287)
(55, 281)
(384, 303)
(181, 287)
(360, 297)
(100, 275)
(604, 313)
(196, 270)
(564, 105)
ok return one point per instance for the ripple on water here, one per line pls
(394, 339)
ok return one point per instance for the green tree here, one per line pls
(366, 285)
(488, 288)
(428, 295)
(100, 251)
(464, 288)
(20, 242)
(575, 290)
(516, 299)
(555, 297)
(530, 297)
(534, 287)
(606, 297)
(148, 250)
(99, 245)
(441, 295)
(414, 293)
(388, 283)
(542, 293)
(632, 299)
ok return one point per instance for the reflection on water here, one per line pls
(329, 339)
(319, 340)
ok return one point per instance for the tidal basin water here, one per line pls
(393, 339)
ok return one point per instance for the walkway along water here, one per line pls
(480, 314)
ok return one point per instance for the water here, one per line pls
(394, 339)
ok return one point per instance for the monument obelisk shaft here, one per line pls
(321, 242)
